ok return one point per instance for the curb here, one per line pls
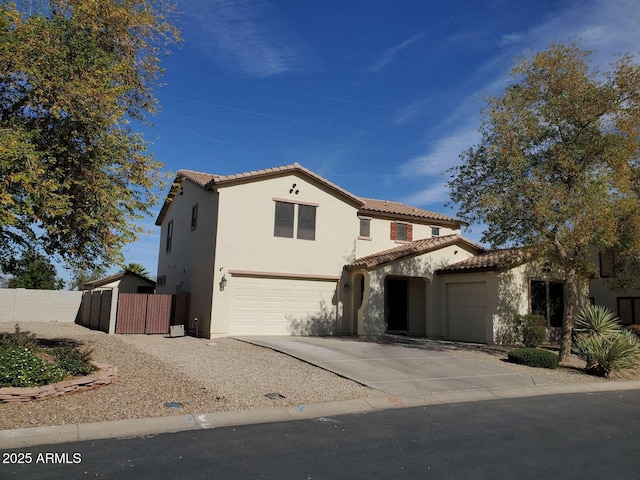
(121, 429)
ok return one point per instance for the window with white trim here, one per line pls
(286, 215)
(435, 231)
(365, 227)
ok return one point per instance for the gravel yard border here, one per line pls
(161, 376)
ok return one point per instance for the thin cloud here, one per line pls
(248, 35)
(389, 54)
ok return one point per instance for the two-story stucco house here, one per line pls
(284, 251)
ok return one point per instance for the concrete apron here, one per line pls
(395, 365)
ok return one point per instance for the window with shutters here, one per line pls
(401, 232)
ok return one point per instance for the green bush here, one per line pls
(18, 338)
(74, 361)
(533, 329)
(22, 367)
(533, 357)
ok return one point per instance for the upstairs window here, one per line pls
(607, 264)
(286, 216)
(435, 231)
(402, 232)
(169, 235)
(365, 227)
(194, 217)
(306, 222)
(284, 220)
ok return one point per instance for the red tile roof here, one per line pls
(417, 247)
(398, 210)
(367, 206)
(491, 261)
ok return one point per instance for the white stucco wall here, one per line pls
(605, 294)
(246, 240)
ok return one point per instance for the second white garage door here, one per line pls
(467, 311)
(273, 306)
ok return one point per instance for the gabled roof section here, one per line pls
(397, 210)
(497, 260)
(208, 181)
(417, 247)
(114, 278)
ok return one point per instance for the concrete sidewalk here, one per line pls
(27, 437)
(398, 366)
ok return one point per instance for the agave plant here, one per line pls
(597, 320)
(603, 344)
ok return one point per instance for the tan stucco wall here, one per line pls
(189, 265)
(22, 305)
(246, 240)
(381, 236)
(420, 267)
(604, 294)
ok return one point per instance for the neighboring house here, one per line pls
(283, 251)
(625, 303)
(125, 282)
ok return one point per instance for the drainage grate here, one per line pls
(173, 405)
(274, 396)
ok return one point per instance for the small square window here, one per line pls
(194, 217)
(284, 220)
(365, 227)
(435, 232)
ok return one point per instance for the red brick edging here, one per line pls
(105, 375)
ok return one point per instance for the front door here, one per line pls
(396, 305)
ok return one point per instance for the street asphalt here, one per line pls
(412, 376)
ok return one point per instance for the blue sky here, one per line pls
(380, 97)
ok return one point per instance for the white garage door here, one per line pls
(272, 306)
(466, 311)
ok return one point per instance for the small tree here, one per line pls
(34, 271)
(557, 166)
(74, 74)
(80, 277)
(136, 268)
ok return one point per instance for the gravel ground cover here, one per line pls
(220, 374)
(202, 375)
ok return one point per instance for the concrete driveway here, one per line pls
(397, 365)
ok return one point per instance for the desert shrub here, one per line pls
(603, 344)
(605, 354)
(18, 338)
(22, 367)
(635, 329)
(597, 320)
(74, 361)
(533, 329)
(533, 357)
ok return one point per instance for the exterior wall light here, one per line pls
(223, 283)
(347, 287)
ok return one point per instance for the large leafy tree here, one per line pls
(557, 167)
(34, 271)
(74, 75)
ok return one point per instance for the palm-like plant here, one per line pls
(597, 320)
(136, 268)
(603, 344)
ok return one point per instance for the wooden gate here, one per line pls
(141, 313)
